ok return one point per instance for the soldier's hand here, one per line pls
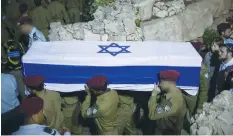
(156, 90)
(87, 90)
(66, 131)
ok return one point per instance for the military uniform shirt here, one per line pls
(168, 110)
(35, 129)
(36, 36)
(104, 111)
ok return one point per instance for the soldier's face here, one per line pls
(164, 85)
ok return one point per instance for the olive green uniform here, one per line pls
(74, 8)
(5, 36)
(42, 19)
(104, 111)
(31, 4)
(168, 109)
(125, 123)
(19, 78)
(10, 30)
(58, 12)
(71, 109)
(52, 109)
(203, 88)
(12, 11)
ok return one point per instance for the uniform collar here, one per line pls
(170, 94)
(32, 32)
(104, 95)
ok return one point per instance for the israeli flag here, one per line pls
(67, 65)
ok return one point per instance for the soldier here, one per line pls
(167, 106)
(52, 101)
(58, 12)
(23, 8)
(9, 29)
(71, 109)
(104, 111)
(11, 11)
(31, 4)
(26, 27)
(33, 110)
(41, 18)
(75, 9)
(203, 88)
(125, 123)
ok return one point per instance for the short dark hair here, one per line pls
(23, 8)
(223, 27)
(37, 88)
(38, 2)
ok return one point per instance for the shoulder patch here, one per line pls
(50, 131)
(159, 109)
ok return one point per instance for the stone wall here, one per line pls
(137, 20)
(216, 118)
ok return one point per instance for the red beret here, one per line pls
(171, 75)
(32, 106)
(24, 20)
(33, 81)
(97, 82)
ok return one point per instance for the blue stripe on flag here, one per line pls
(65, 74)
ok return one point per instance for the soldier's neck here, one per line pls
(40, 93)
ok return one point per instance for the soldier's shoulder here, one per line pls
(50, 131)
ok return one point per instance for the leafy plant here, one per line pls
(209, 36)
(96, 3)
(103, 2)
(138, 22)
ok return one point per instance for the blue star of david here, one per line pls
(104, 49)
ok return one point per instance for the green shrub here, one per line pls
(138, 22)
(96, 4)
(103, 2)
(209, 36)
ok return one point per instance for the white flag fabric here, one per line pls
(67, 65)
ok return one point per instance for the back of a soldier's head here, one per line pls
(38, 2)
(33, 110)
(23, 8)
(25, 24)
(34, 83)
